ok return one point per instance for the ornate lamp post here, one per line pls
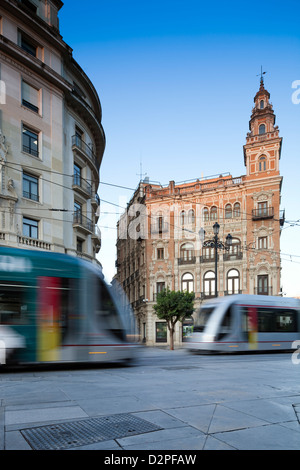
(215, 243)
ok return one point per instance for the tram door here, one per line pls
(48, 319)
(250, 325)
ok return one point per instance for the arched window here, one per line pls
(182, 218)
(187, 282)
(187, 252)
(262, 164)
(213, 213)
(237, 210)
(262, 129)
(228, 211)
(233, 282)
(262, 104)
(209, 281)
(205, 214)
(191, 216)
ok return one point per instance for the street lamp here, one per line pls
(215, 243)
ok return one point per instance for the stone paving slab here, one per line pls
(270, 437)
(200, 403)
(22, 417)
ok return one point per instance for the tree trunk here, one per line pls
(171, 338)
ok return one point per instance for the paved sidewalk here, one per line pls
(180, 402)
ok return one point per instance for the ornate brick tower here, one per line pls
(261, 155)
(263, 148)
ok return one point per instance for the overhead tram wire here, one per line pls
(185, 198)
(292, 223)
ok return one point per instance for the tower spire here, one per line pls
(261, 78)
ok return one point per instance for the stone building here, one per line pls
(159, 244)
(51, 137)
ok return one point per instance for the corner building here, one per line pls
(158, 242)
(51, 137)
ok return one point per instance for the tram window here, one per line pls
(226, 324)
(68, 307)
(277, 320)
(286, 321)
(265, 320)
(107, 312)
(13, 305)
(273, 320)
(202, 318)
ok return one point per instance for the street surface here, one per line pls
(180, 401)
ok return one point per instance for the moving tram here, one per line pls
(57, 308)
(239, 323)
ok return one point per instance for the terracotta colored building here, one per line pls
(159, 243)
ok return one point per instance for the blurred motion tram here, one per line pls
(238, 323)
(58, 308)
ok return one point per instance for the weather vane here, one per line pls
(261, 73)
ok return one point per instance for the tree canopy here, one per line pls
(174, 306)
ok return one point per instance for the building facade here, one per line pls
(159, 244)
(51, 137)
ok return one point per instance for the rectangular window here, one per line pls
(262, 285)
(30, 97)
(28, 45)
(77, 213)
(79, 245)
(262, 243)
(160, 286)
(77, 175)
(30, 228)
(28, 4)
(30, 187)
(161, 332)
(30, 141)
(262, 208)
(160, 253)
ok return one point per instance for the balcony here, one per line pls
(34, 243)
(263, 213)
(84, 150)
(233, 256)
(263, 291)
(81, 222)
(208, 259)
(95, 201)
(82, 186)
(190, 260)
(231, 292)
(96, 237)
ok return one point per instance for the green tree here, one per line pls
(174, 306)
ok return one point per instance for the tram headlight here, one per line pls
(208, 338)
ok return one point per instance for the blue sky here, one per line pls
(176, 80)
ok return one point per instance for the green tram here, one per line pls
(57, 308)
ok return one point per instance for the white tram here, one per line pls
(240, 323)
